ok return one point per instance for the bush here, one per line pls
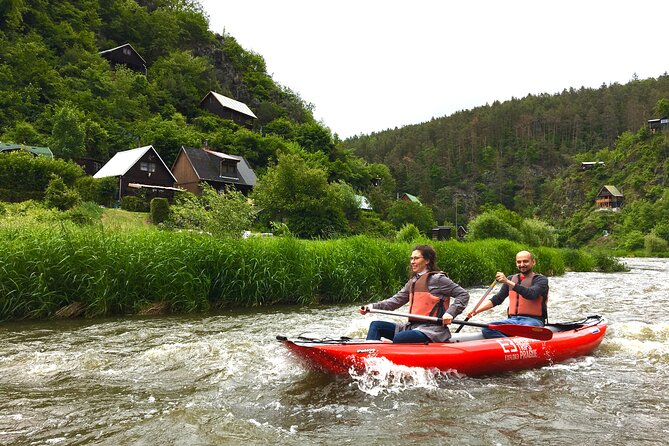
(654, 244)
(134, 204)
(633, 240)
(408, 233)
(371, 224)
(24, 176)
(58, 195)
(160, 210)
(98, 190)
(86, 213)
(487, 225)
(538, 233)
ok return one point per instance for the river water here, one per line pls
(224, 380)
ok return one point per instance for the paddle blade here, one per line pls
(525, 331)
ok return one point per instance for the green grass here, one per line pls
(46, 267)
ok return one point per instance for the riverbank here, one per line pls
(67, 270)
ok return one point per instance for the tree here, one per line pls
(402, 212)
(296, 192)
(68, 135)
(227, 213)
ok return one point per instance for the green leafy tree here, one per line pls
(402, 212)
(24, 133)
(490, 225)
(68, 135)
(296, 192)
(181, 79)
(227, 213)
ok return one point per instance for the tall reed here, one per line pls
(44, 268)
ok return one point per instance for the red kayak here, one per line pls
(465, 354)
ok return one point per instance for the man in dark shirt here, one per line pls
(528, 296)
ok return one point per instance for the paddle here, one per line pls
(525, 331)
(492, 285)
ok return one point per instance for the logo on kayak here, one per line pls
(515, 349)
(366, 350)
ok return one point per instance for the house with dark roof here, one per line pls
(228, 108)
(125, 55)
(609, 198)
(193, 167)
(140, 170)
(35, 150)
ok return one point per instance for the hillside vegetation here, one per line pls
(524, 154)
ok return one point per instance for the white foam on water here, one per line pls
(382, 376)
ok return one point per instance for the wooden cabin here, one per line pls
(125, 55)
(658, 125)
(609, 198)
(194, 167)
(409, 197)
(228, 108)
(140, 170)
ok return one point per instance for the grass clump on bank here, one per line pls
(46, 268)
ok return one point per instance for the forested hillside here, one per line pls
(56, 90)
(506, 152)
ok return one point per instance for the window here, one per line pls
(127, 51)
(147, 167)
(227, 169)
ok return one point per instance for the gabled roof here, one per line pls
(35, 150)
(231, 104)
(207, 166)
(111, 50)
(612, 190)
(412, 198)
(123, 161)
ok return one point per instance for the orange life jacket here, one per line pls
(519, 306)
(422, 302)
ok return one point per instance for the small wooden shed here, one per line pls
(228, 108)
(125, 55)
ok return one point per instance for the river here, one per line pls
(225, 380)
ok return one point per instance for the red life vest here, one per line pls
(519, 306)
(422, 302)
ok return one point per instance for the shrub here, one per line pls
(538, 233)
(487, 225)
(134, 204)
(632, 240)
(86, 213)
(654, 244)
(58, 195)
(98, 190)
(24, 176)
(160, 210)
(408, 233)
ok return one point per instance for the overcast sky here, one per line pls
(370, 65)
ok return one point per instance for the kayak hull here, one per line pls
(465, 356)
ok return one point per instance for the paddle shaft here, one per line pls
(526, 331)
(490, 288)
